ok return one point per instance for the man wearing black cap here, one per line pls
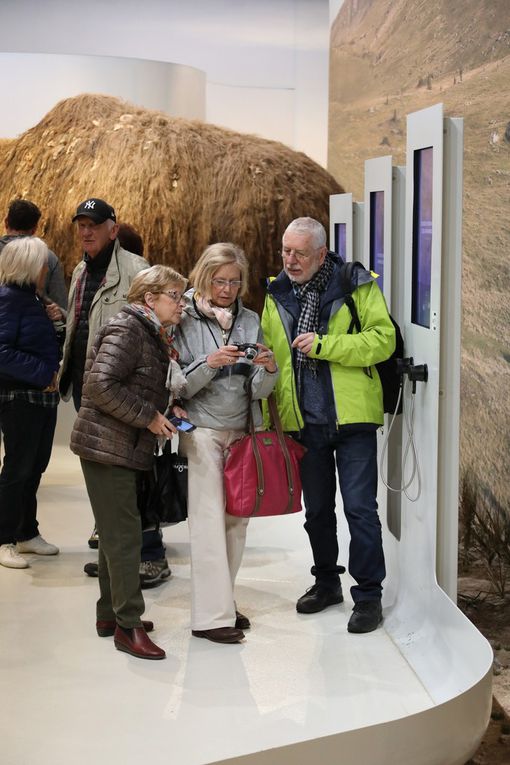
(99, 287)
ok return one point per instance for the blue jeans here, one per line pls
(355, 454)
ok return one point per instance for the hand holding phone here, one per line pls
(183, 425)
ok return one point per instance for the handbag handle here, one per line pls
(277, 425)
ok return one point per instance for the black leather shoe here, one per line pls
(366, 616)
(242, 622)
(317, 598)
(91, 569)
(106, 628)
(136, 642)
(220, 634)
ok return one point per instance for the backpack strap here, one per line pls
(346, 272)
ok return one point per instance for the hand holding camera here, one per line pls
(265, 357)
(252, 352)
(249, 350)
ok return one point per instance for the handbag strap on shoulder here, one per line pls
(277, 426)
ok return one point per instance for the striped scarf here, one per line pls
(309, 297)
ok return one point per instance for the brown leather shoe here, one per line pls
(220, 634)
(242, 621)
(106, 628)
(136, 642)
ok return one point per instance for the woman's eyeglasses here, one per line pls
(230, 283)
(173, 295)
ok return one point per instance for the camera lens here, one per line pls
(250, 352)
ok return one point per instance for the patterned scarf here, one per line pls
(175, 380)
(309, 296)
(224, 316)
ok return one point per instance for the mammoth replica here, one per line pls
(183, 184)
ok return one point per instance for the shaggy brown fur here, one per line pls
(182, 184)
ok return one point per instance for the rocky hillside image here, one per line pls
(392, 57)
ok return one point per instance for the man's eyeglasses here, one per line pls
(173, 295)
(300, 255)
(230, 283)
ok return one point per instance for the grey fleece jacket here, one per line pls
(217, 398)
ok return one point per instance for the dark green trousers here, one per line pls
(112, 494)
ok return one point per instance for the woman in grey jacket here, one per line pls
(218, 377)
(115, 434)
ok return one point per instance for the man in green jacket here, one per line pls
(329, 394)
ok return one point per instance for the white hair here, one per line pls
(311, 227)
(22, 260)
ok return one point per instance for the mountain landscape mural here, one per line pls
(393, 57)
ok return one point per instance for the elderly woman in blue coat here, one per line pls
(29, 357)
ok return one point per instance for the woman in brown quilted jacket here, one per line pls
(115, 433)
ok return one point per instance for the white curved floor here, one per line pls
(299, 686)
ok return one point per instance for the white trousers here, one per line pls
(217, 540)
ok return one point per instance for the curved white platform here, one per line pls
(300, 688)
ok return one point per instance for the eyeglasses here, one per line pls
(230, 283)
(177, 297)
(286, 252)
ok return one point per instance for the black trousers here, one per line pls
(28, 431)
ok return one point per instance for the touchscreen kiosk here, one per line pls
(341, 239)
(376, 244)
(422, 237)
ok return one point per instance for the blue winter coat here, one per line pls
(29, 350)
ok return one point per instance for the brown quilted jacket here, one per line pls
(124, 386)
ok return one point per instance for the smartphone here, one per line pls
(185, 426)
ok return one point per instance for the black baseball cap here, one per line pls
(96, 209)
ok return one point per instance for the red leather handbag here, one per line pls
(262, 471)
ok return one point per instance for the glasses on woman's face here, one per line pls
(231, 284)
(177, 297)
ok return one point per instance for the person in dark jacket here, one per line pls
(29, 357)
(22, 220)
(123, 397)
(154, 568)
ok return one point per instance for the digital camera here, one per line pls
(249, 349)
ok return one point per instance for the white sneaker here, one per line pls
(10, 558)
(37, 545)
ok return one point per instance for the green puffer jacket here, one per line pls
(357, 395)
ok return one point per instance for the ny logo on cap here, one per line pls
(90, 204)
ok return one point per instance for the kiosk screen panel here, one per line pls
(341, 239)
(377, 235)
(422, 237)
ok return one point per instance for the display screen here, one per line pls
(377, 235)
(341, 240)
(422, 237)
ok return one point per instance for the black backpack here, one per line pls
(388, 370)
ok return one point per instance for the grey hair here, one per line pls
(22, 260)
(309, 226)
